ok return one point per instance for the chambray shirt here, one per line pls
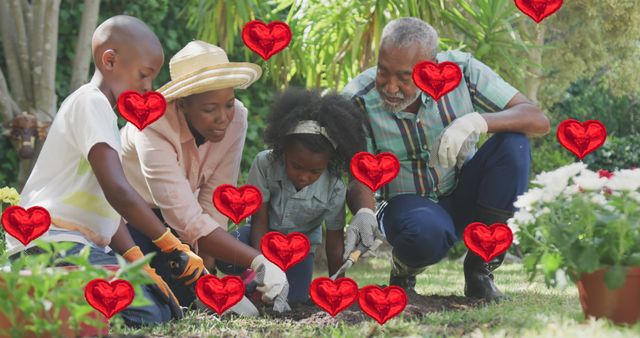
(298, 211)
(411, 137)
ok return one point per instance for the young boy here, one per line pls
(79, 179)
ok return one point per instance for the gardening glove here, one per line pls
(448, 150)
(160, 287)
(194, 267)
(363, 229)
(272, 281)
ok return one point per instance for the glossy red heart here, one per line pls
(382, 304)
(26, 225)
(220, 294)
(285, 251)
(581, 138)
(266, 40)
(109, 297)
(141, 110)
(333, 296)
(488, 242)
(538, 9)
(374, 171)
(437, 79)
(237, 203)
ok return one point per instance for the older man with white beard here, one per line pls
(444, 183)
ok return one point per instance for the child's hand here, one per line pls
(191, 264)
(363, 229)
(272, 281)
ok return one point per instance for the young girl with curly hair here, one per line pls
(312, 138)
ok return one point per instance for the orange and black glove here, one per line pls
(193, 267)
(160, 288)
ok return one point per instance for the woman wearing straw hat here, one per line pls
(176, 163)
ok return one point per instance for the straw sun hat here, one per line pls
(200, 67)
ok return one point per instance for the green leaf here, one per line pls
(614, 278)
(551, 262)
(634, 259)
(588, 260)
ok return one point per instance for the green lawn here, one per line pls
(532, 311)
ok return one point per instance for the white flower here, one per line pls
(553, 178)
(514, 229)
(624, 180)
(544, 210)
(571, 190)
(555, 181)
(598, 199)
(635, 195)
(589, 180)
(529, 198)
(523, 217)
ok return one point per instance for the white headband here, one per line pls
(312, 127)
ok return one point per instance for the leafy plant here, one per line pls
(34, 296)
(617, 153)
(578, 221)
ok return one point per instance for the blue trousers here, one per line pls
(156, 313)
(422, 231)
(299, 275)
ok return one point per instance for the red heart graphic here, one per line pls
(382, 304)
(538, 9)
(333, 296)
(109, 297)
(374, 171)
(488, 242)
(266, 40)
(285, 251)
(219, 293)
(26, 225)
(437, 79)
(141, 110)
(237, 203)
(581, 138)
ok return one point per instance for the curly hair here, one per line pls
(341, 119)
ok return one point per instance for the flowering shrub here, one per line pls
(8, 196)
(576, 221)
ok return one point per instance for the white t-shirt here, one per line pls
(62, 180)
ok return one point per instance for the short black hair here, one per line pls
(340, 117)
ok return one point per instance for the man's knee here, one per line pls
(516, 150)
(426, 247)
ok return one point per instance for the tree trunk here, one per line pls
(23, 52)
(37, 49)
(49, 105)
(535, 55)
(7, 29)
(82, 58)
(8, 107)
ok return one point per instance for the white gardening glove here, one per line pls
(363, 228)
(272, 281)
(448, 150)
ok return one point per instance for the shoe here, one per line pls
(478, 278)
(403, 276)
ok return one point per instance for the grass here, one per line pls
(533, 311)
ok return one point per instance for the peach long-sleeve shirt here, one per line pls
(170, 172)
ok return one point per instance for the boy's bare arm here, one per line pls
(259, 225)
(335, 250)
(223, 246)
(121, 240)
(107, 167)
(360, 196)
